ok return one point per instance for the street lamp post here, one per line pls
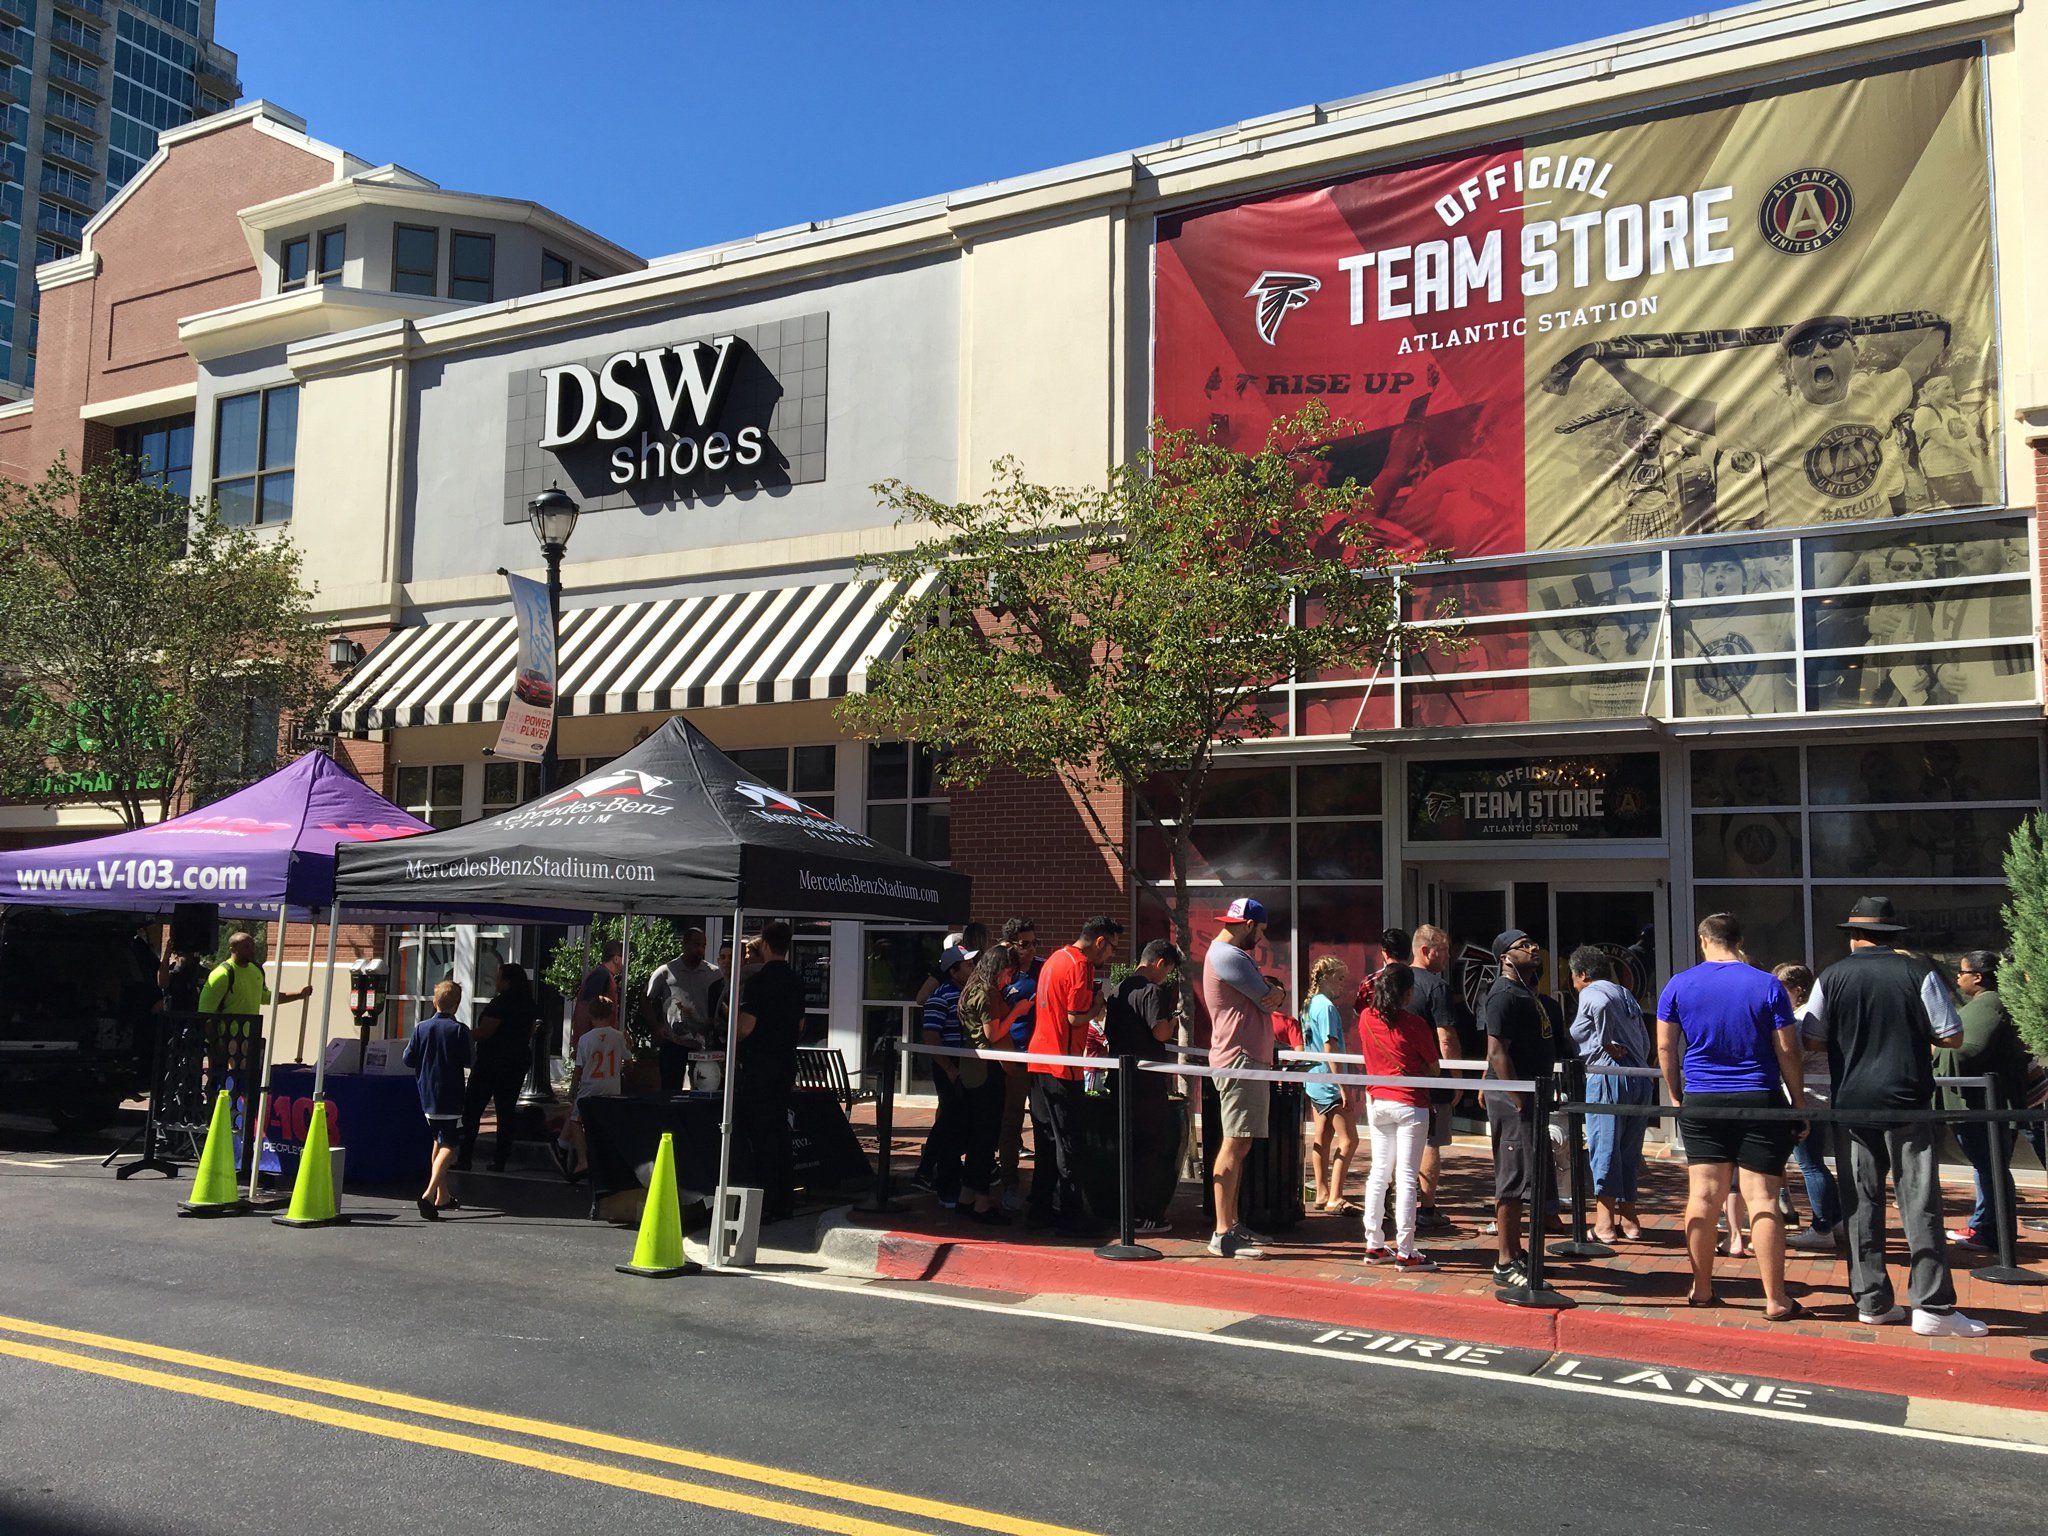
(553, 516)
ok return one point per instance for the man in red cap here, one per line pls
(1240, 1001)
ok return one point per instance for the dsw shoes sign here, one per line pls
(662, 421)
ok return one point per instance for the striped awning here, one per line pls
(667, 654)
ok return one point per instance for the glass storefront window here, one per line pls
(1756, 628)
(1945, 920)
(1746, 776)
(907, 805)
(1925, 822)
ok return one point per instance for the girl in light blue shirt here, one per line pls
(1332, 1133)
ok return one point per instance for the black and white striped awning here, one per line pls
(668, 654)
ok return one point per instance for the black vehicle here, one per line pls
(76, 993)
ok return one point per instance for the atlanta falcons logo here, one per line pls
(1277, 293)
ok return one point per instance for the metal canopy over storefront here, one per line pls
(762, 647)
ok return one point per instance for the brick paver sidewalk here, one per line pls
(1645, 1280)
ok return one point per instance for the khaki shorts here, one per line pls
(1246, 1103)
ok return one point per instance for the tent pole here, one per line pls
(306, 1003)
(326, 1004)
(284, 909)
(569, 1024)
(625, 969)
(732, 1065)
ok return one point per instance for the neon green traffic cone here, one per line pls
(313, 1191)
(213, 1182)
(658, 1254)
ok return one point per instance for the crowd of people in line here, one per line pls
(1735, 1048)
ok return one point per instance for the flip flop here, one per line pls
(1610, 1238)
(1793, 1310)
(1341, 1208)
(1633, 1233)
(1703, 1301)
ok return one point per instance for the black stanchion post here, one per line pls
(1578, 1245)
(2007, 1270)
(152, 1138)
(1537, 1293)
(882, 1201)
(1128, 1246)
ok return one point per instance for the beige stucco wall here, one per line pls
(344, 521)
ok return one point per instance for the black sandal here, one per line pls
(1703, 1301)
(1793, 1311)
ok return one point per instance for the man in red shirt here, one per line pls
(1068, 1002)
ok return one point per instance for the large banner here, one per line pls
(1771, 311)
(529, 714)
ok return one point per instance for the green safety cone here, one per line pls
(213, 1183)
(658, 1254)
(313, 1191)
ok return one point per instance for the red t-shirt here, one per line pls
(1066, 984)
(1404, 1048)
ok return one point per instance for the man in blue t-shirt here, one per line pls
(1727, 1041)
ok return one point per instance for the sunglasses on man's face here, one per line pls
(1805, 345)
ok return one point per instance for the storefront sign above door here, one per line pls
(655, 425)
(1601, 795)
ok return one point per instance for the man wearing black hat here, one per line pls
(1519, 1044)
(1879, 1010)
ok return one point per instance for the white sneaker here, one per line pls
(1948, 1325)
(1881, 1319)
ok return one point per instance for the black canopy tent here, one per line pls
(672, 826)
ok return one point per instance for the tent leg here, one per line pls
(732, 1072)
(326, 1005)
(255, 1131)
(625, 970)
(569, 1025)
(305, 1004)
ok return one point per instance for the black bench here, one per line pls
(824, 1070)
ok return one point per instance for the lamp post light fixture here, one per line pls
(553, 514)
(342, 652)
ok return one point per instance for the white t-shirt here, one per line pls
(601, 1055)
(1948, 443)
(1829, 463)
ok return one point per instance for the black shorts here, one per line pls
(1761, 1146)
(446, 1130)
(1515, 1153)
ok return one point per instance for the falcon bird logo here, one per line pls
(1277, 293)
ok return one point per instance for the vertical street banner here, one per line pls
(529, 714)
(1770, 310)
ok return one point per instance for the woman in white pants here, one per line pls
(1396, 1043)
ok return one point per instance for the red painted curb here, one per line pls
(1588, 1331)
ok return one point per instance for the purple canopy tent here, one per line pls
(263, 852)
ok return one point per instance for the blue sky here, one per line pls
(670, 125)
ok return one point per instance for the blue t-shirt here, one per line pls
(942, 1014)
(1322, 1029)
(1728, 1012)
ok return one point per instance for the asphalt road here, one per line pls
(738, 1389)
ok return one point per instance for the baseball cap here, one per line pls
(1244, 910)
(954, 955)
(955, 939)
(1507, 941)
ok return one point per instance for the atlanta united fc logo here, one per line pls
(1805, 210)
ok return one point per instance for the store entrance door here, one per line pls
(1620, 911)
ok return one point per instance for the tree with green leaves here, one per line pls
(149, 654)
(653, 942)
(2024, 984)
(1130, 634)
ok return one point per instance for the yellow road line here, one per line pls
(413, 1434)
(565, 1434)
